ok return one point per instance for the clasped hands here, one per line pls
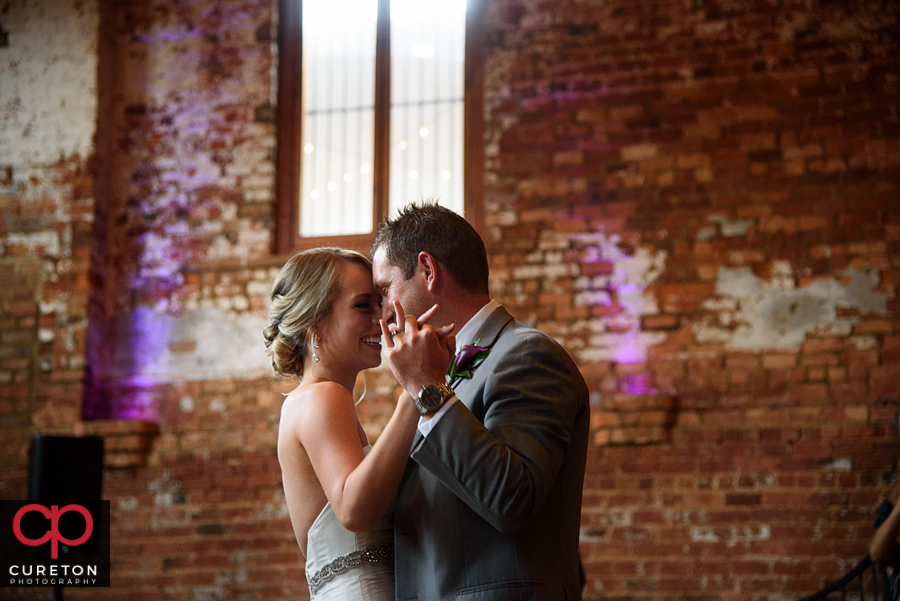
(417, 353)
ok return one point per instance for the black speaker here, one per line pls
(63, 470)
(66, 468)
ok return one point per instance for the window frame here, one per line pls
(289, 133)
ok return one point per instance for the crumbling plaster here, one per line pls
(198, 344)
(48, 98)
(755, 314)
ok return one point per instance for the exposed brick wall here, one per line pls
(699, 200)
(47, 115)
(191, 172)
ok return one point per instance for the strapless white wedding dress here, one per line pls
(349, 566)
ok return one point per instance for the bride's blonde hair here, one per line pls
(302, 296)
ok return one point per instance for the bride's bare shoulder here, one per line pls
(316, 393)
(316, 401)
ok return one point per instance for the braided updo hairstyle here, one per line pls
(302, 296)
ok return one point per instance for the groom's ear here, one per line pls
(428, 269)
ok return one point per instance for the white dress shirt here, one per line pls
(464, 336)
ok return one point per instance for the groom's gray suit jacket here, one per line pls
(490, 504)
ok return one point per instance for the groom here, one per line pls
(490, 505)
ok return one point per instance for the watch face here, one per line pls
(431, 397)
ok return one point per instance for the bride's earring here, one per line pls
(315, 345)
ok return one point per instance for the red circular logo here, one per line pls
(53, 534)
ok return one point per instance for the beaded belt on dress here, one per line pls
(375, 554)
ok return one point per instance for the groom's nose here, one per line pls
(387, 310)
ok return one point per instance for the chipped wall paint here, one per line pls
(731, 536)
(754, 314)
(48, 100)
(200, 344)
(632, 273)
(728, 228)
(48, 117)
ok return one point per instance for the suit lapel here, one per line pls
(489, 331)
(486, 336)
(416, 438)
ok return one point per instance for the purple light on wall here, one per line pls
(141, 346)
(637, 384)
(123, 385)
(629, 349)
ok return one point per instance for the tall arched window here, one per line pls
(379, 104)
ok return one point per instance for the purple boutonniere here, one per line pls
(467, 359)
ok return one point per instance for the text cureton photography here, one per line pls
(52, 575)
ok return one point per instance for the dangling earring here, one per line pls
(315, 342)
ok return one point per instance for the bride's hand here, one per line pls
(417, 353)
(443, 333)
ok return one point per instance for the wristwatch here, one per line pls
(432, 396)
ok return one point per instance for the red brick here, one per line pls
(659, 322)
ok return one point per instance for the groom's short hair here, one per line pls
(442, 233)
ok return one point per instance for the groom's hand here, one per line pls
(416, 352)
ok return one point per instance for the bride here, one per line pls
(324, 329)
